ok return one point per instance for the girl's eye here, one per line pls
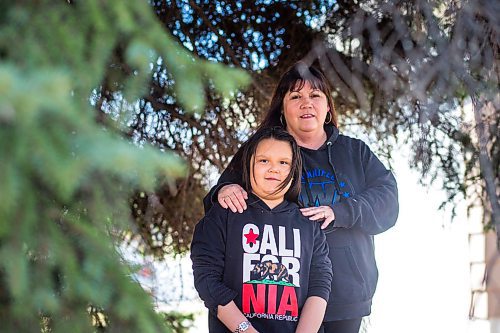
(263, 160)
(285, 163)
(294, 96)
(315, 95)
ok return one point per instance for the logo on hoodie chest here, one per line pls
(322, 187)
(267, 255)
(271, 265)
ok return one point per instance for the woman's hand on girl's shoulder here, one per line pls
(323, 214)
(233, 196)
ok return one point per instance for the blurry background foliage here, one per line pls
(67, 172)
(418, 73)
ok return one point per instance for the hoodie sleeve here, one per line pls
(208, 257)
(376, 208)
(321, 274)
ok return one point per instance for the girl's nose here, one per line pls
(274, 169)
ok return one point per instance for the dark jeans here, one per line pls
(341, 326)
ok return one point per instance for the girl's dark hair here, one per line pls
(250, 147)
(294, 79)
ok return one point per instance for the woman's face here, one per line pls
(305, 110)
(270, 166)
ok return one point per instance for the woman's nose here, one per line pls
(306, 101)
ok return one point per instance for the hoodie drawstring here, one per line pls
(310, 199)
(310, 202)
(335, 178)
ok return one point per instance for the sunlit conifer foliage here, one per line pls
(67, 172)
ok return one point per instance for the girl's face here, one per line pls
(270, 165)
(305, 110)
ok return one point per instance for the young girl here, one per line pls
(266, 269)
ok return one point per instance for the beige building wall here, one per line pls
(492, 259)
(484, 260)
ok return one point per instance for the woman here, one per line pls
(344, 187)
(267, 269)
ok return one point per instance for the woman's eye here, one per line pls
(294, 96)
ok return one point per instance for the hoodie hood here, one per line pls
(257, 202)
(332, 133)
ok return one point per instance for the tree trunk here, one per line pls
(481, 110)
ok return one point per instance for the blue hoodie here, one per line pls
(345, 175)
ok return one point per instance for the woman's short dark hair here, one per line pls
(294, 79)
(250, 147)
